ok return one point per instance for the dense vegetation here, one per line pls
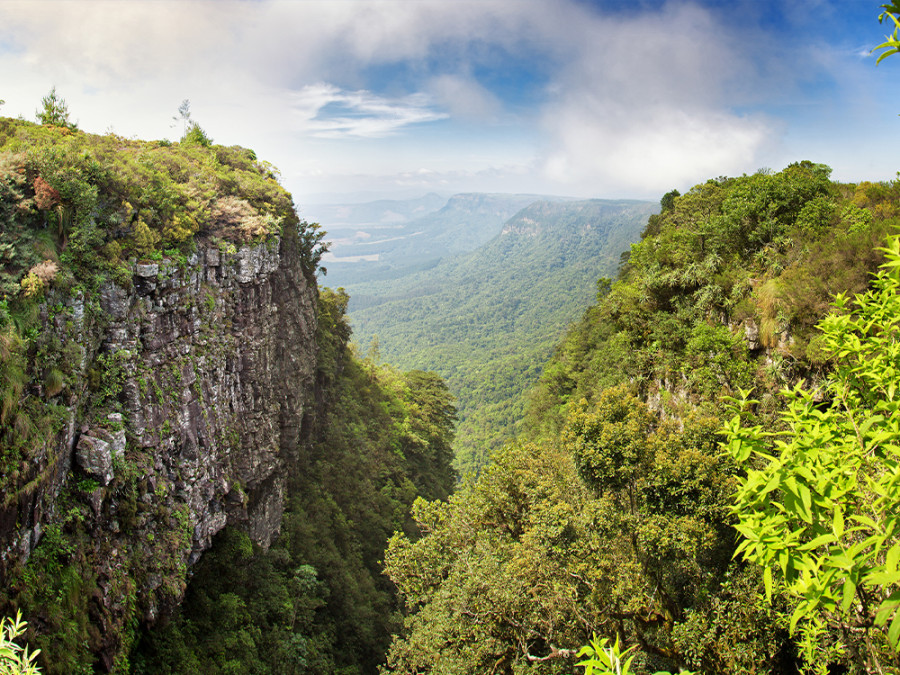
(316, 601)
(78, 210)
(615, 514)
(487, 321)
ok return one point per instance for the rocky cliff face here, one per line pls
(191, 384)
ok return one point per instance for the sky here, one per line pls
(362, 99)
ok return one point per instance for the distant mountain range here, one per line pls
(388, 239)
(487, 318)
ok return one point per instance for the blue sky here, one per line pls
(366, 98)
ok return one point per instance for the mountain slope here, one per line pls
(616, 515)
(390, 239)
(486, 321)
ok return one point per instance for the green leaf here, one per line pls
(821, 540)
(894, 632)
(892, 558)
(837, 523)
(848, 593)
(887, 607)
(882, 578)
(805, 503)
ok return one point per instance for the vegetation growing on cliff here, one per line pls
(77, 209)
(615, 516)
(78, 215)
(317, 600)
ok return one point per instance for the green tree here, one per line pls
(55, 111)
(195, 135)
(519, 568)
(817, 508)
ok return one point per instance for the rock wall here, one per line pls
(190, 386)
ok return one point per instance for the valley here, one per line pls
(488, 314)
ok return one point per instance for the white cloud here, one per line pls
(465, 98)
(649, 103)
(635, 101)
(325, 111)
(649, 150)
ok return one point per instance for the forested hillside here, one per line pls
(487, 321)
(614, 514)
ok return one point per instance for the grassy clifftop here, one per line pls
(90, 203)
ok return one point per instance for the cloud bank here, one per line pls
(563, 95)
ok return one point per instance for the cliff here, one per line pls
(163, 370)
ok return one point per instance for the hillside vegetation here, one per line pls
(75, 210)
(114, 553)
(614, 514)
(487, 321)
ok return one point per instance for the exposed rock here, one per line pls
(146, 270)
(95, 458)
(207, 368)
(751, 335)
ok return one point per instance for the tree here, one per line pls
(817, 508)
(184, 116)
(192, 133)
(668, 200)
(196, 136)
(55, 111)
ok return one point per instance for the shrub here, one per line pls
(14, 659)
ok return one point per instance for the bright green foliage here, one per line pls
(519, 568)
(619, 520)
(196, 136)
(733, 267)
(144, 196)
(492, 582)
(818, 506)
(14, 659)
(891, 45)
(603, 660)
(610, 445)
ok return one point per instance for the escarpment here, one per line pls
(207, 367)
(157, 373)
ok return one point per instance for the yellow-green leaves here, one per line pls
(14, 659)
(891, 45)
(822, 508)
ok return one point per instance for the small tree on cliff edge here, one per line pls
(55, 111)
